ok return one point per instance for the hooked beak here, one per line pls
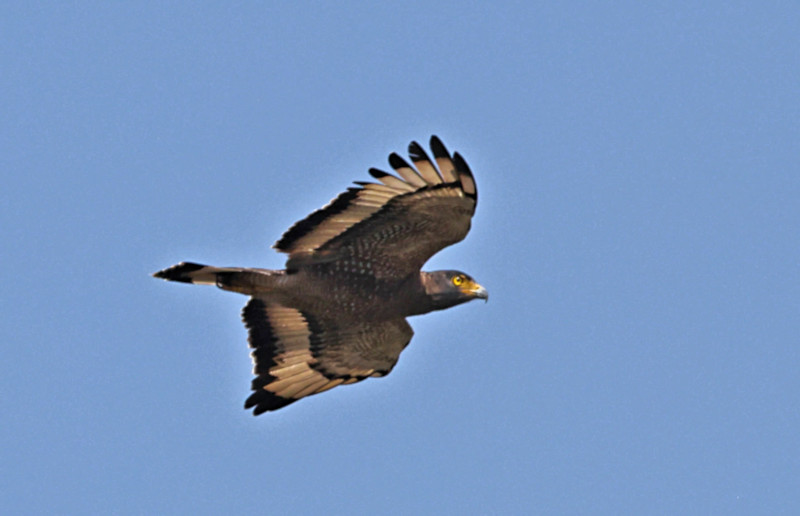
(480, 293)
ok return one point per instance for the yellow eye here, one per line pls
(458, 280)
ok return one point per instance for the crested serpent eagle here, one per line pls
(337, 313)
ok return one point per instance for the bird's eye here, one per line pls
(458, 280)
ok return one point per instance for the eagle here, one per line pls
(337, 313)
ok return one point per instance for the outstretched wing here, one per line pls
(390, 229)
(297, 355)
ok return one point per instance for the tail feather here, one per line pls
(236, 279)
(188, 272)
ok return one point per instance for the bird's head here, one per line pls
(450, 288)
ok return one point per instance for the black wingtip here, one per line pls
(264, 401)
(378, 173)
(438, 148)
(179, 272)
(466, 177)
(461, 164)
(396, 161)
(416, 152)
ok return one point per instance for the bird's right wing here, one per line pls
(297, 355)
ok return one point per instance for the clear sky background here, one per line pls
(637, 229)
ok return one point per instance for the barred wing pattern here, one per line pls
(296, 354)
(395, 226)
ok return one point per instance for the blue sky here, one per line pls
(637, 229)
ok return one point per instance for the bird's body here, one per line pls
(336, 314)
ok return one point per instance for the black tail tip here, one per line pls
(179, 272)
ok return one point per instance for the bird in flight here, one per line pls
(337, 314)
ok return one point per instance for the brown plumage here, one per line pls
(336, 314)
